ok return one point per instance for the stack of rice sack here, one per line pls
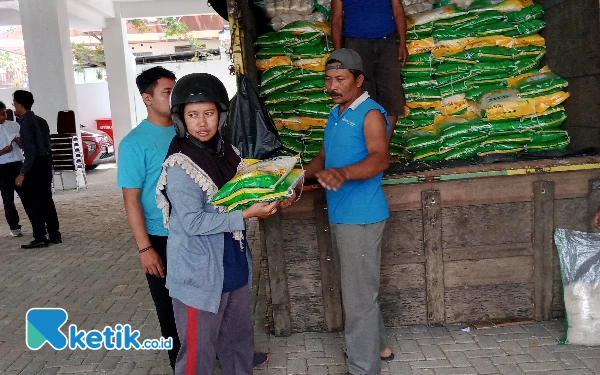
(474, 86)
(283, 12)
(293, 84)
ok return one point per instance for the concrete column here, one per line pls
(49, 57)
(120, 73)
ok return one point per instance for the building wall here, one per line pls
(163, 48)
(93, 102)
(6, 96)
(92, 99)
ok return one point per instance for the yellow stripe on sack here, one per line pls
(436, 104)
(512, 150)
(531, 40)
(420, 46)
(224, 201)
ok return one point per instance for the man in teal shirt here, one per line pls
(141, 154)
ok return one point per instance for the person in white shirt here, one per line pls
(11, 160)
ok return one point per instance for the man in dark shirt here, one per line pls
(36, 173)
(370, 28)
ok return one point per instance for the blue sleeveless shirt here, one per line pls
(368, 19)
(356, 201)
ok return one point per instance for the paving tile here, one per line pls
(456, 371)
(76, 369)
(540, 354)
(430, 364)
(509, 369)
(484, 366)
(458, 359)
(569, 360)
(512, 359)
(540, 366)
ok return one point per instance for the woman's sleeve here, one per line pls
(187, 204)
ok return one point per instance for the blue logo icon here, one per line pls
(43, 326)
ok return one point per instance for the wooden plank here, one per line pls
(403, 238)
(304, 277)
(477, 191)
(486, 225)
(491, 190)
(434, 261)
(558, 304)
(489, 302)
(243, 35)
(593, 203)
(402, 294)
(332, 297)
(466, 273)
(528, 164)
(488, 252)
(304, 208)
(280, 298)
(543, 247)
(572, 214)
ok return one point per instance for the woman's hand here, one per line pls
(260, 210)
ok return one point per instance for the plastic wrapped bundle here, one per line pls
(579, 255)
(265, 181)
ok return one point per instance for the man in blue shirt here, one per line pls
(369, 28)
(350, 166)
(141, 154)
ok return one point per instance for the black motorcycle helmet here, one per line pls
(197, 87)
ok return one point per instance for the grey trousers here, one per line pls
(204, 335)
(357, 255)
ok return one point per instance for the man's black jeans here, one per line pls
(8, 174)
(37, 199)
(162, 300)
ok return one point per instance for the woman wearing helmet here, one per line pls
(209, 261)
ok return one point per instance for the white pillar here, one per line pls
(47, 41)
(120, 74)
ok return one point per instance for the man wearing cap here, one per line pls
(350, 166)
(369, 28)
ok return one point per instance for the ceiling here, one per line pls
(87, 15)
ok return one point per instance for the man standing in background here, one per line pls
(370, 28)
(141, 155)
(36, 173)
(11, 161)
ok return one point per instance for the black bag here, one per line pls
(249, 126)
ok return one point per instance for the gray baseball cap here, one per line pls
(348, 58)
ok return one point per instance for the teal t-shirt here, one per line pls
(141, 155)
